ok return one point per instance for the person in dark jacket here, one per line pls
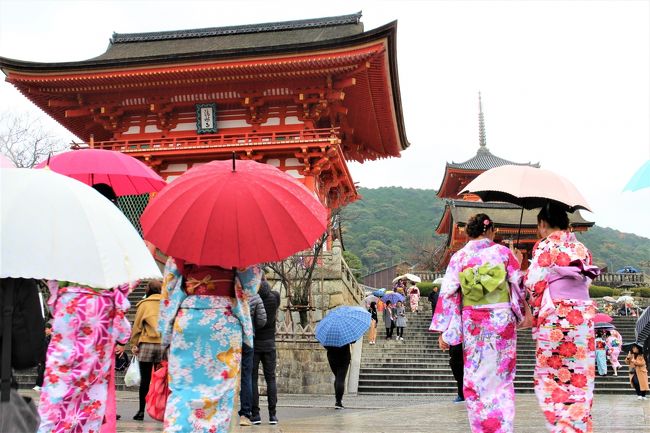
(433, 296)
(339, 360)
(258, 316)
(264, 352)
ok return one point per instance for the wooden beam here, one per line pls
(79, 112)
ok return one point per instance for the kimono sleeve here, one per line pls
(172, 296)
(515, 277)
(447, 317)
(250, 279)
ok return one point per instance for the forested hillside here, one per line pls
(391, 224)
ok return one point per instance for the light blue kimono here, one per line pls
(205, 337)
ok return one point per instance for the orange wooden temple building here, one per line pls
(305, 96)
(459, 208)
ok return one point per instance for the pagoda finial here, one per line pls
(481, 124)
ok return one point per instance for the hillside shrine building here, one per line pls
(305, 96)
(460, 207)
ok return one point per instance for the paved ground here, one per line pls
(367, 413)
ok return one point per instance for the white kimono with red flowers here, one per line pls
(564, 330)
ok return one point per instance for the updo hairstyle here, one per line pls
(554, 215)
(478, 224)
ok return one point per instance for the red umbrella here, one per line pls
(602, 318)
(216, 215)
(125, 174)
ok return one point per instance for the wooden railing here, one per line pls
(208, 141)
(428, 276)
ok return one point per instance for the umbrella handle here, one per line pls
(233, 161)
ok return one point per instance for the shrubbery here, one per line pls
(601, 291)
(643, 292)
(425, 288)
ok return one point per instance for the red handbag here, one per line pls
(156, 399)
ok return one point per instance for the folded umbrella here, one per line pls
(125, 174)
(57, 228)
(342, 326)
(224, 215)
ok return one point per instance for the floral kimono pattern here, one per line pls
(614, 345)
(601, 356)
(87, 323)
(414, 297)
(205, 336)
(487, 332)
(564, 331)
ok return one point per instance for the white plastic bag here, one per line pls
(132, 376)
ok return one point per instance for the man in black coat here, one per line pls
(264, 352)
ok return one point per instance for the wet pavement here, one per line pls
(400, 413)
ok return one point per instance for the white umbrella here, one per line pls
(625, 298)
(413, 278)
(54, 227)
(609, 299)
(397, 278)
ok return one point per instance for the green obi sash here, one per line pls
(484, 285)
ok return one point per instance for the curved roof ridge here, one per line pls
(119, 38)
(485, 160)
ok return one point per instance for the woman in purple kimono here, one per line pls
(480, 308)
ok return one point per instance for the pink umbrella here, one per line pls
(526, 186)
(602, 318)
(6, 162)
(125, 174)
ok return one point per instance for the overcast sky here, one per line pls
(564, 83)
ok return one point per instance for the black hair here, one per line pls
(478, 224)
(106, 190)
(554, 215)
(373, 305)
(638, 346)
(388, 303)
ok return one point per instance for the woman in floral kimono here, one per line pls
(480, 308)
(204, 315)
(614, 342)
(79, 366)
(558, 280)
(414, 297)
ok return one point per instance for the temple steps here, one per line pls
(417, 366)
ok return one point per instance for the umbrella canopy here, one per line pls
(603, 318)
(526, 186)
(609, 299)
(220, 216)
(628, 346)
(393, 297)
(438, 282)
(125, 174)
(379, 292)
(342, 326)
(624, 299)
(399, 277)
(605, 326)
(413, 278)
(642, 328)
(54, 227)
(370, 298)
(6, 162)
(640, 179)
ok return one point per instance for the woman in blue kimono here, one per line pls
(204, 316)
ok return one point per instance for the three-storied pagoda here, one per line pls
(303, 95)
(459, 208)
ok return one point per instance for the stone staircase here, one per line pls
(417, 366)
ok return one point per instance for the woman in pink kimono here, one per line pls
(558, 280)
(614, 343)
(79, 367)
(480, 307)
(414, 297)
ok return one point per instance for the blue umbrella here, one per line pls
(342, 326)
(640, 179)
(379, 292)
(393, 298)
